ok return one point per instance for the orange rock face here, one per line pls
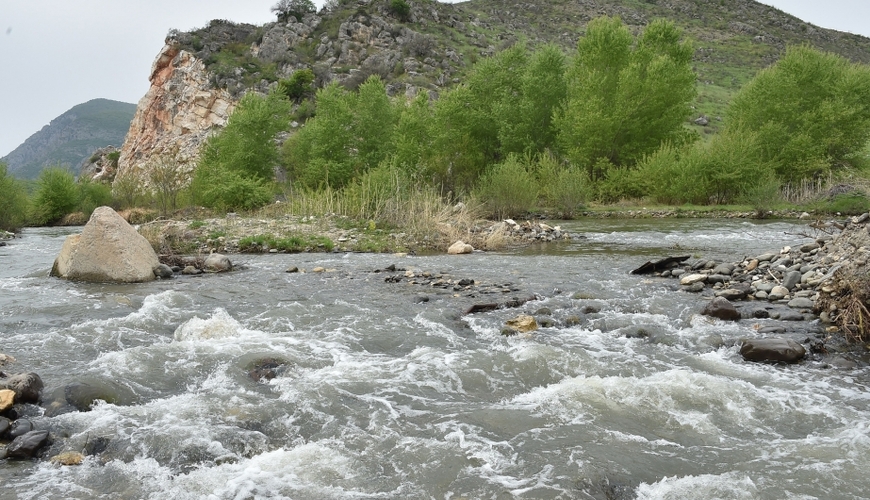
(175, 116)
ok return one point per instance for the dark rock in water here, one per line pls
(772, 350)
(721, 308)
(465, 282)
(694, 287)
(2, 243)
(590, 309)
(544, 311)
(20, 427)
(27, 386)
(97, 445)
(508, 331)
(5, 425)
(659, 265)
(83, 395)
(545, 322)
(266, 369)
(163, 271)
(717, 278)
(190, 270)
(292, 269)
(420, 299)
(513, 302)
(760, 313)
(27, 445)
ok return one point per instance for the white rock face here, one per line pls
(460, 247)
(108, 250)
(175, 116)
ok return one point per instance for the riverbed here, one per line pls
(386, 390)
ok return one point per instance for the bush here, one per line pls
(13, 202)
(56, 196)
(563, 188)
(92, 195)
(285, 9)
(400, 9)
(227, 190)
(509, 189)
(298, 85)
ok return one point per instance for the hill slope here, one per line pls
(72, 137)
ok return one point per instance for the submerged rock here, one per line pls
(108, 250)
(772, 350)
(523, 323)
(217, 263)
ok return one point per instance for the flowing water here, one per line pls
(383, 397)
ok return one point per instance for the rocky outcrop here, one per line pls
(108, 250)
(175, 116)
(102, 165)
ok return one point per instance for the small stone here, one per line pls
(778, 292)
(765, 257)
(7, 399)
(523, 323)
(801, 303)
(217, 263)
(692, 279)
(694, 287)
(791, 279)
(761, 295)
(460, 247)
(163, 271)
(292, 269)
(752, 265)
(190, 271)
(68, 458)
(318, 269)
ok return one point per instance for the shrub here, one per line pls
(165, 179)
(509, 189)
(400, 9)
(13, 202)
(92, 195)
(563, 188)
(285, 9)
(298, 85)
(56, 196)
(228, 190)
(125, 190)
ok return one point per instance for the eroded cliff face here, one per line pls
(175, 116)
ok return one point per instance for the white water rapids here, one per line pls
(383, 397)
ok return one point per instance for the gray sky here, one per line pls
(55, 54)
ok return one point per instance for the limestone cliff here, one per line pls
(176, 115)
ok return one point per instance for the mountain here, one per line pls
(72, 137)
(199, 75)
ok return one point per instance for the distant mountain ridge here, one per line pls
(72, 137)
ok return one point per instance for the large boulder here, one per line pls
(108, 250)
(772, 350)
(459, 248)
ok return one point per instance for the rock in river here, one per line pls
(25, 385)
(772, 350)
(27, 445)
(108, 250)
(721, 308)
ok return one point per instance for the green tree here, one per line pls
(285, 9)
(93, 194)
(56, 196)
(810, 111)
(298, 86)
(351, 133)
(13, 201)
(243, 154)
(625, 96)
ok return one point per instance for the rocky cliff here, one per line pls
(177, 113)
(72, 137)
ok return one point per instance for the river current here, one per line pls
(384, 396)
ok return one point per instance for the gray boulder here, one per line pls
(108, 250)
(772, 350)
(163, 271)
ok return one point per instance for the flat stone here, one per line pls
(68, 458)
(765, 257)
(801, 303)
(7, 399)
(523, 323)
(731, 294)
(791, 279)
(692, 279)
(459, 248)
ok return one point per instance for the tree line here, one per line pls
(541, 128)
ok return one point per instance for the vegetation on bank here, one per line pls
(530, 131)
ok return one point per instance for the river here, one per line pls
(383, 396)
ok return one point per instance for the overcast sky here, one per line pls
(55, 54)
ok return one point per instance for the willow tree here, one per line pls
(625, 96)
(810, 110)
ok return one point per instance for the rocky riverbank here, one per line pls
(824, 279)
